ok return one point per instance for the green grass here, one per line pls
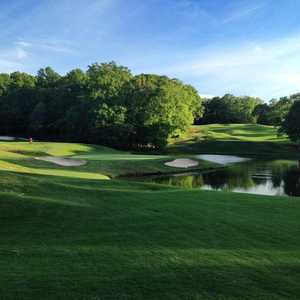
(70, 233)
(239, 139)
(67, 238)
(102, 162)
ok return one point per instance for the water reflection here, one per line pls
(277, 177)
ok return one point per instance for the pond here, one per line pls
(265, 177)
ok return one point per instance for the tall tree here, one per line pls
(291, 123)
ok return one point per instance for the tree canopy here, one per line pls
(229, 109)
(291, 123)
(106, 104)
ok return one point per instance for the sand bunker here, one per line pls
(182, 163)
(66, 162)
(7, 138)
(222, 159)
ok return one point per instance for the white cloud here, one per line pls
(13, 58)
(52, 45)
(243, 10)
(23, 44)
(233, 12)
(207, 96)
(21, 53)
(261, 68)
(7, 66)
(55, 47)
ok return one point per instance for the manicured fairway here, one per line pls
(238, 139)
(102, 161)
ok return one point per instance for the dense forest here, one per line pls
(105, 105)
(108, 105)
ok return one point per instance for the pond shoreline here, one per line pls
(261, 177)
(161, 173)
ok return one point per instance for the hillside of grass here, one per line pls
(71, 238)
(239, 139)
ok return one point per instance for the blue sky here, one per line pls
(219, 46)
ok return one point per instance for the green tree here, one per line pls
(105, 105)
(162, 103)
(105, 81)
(38, 119)
(291, 123)
(279, 109)
(230, 109)
(47, 77)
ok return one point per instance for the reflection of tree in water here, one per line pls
(291, 179)
(225, 179)
(276, 180)
(273, 174)
(279, 171)
(229, 179)
(186, 181)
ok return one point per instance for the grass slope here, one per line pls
(68, 238)
(239, 139)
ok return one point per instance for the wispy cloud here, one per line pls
(21, 53)
(253, 67)
(242, 10)
(56, 47)
(52, 45)
(15, 57)
(232, 12)
(23, 44)
(12, 59)
(207, 96)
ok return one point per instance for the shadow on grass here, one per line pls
(266, 148)
(125, 277)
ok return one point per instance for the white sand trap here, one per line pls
(222, 159)
(182, 163)
(7, 138)
(66, 162)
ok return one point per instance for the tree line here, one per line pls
(104, 105)
(108, 105)
(232, 109)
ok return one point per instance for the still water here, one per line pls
(265, 177)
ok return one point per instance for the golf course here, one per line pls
(92, 230)
(150, 150)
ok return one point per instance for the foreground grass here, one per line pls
(66, 233)
(239, 139)
(68, 238)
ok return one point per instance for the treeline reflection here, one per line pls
(279, 177)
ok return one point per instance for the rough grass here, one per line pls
(66, 238)
(239, 139)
